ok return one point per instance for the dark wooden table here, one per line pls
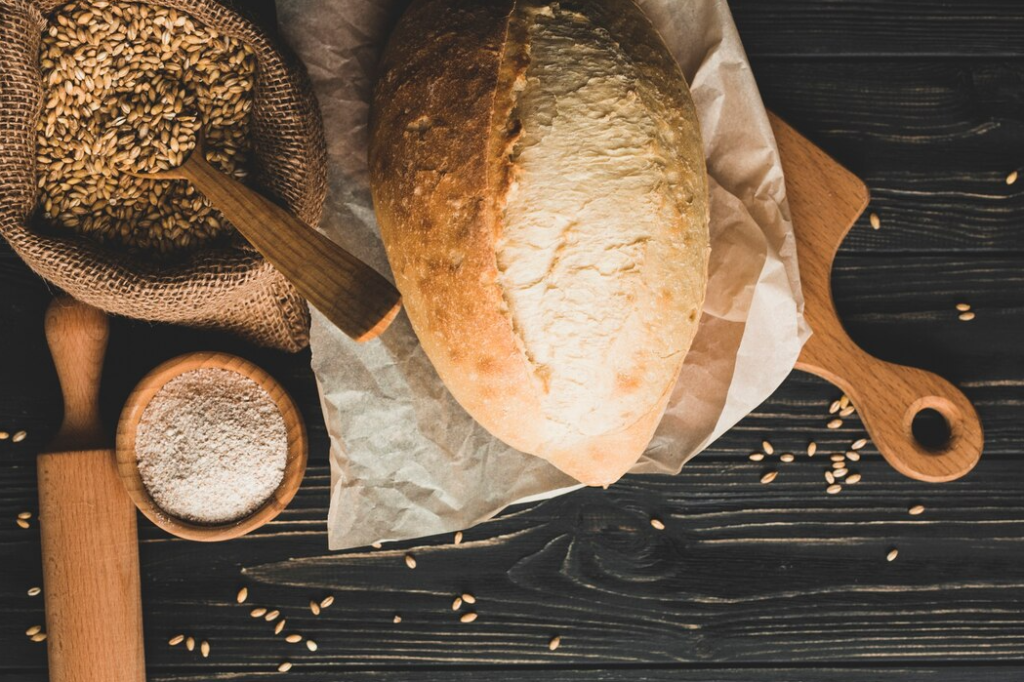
(925, 101)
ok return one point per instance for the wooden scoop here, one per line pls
(825, 200)
(350, 293)
(87, 520)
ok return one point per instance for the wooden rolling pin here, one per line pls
(348, 292)
(87, 520)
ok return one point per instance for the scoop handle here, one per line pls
(87, 521)
(350, 293)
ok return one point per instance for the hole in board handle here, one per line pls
(933, 423)
(931, 430)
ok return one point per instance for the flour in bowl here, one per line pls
(211, 446)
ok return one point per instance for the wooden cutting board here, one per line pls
(825, 201)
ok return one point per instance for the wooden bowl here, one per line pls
(127, 462)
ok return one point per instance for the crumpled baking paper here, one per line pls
(406, 460)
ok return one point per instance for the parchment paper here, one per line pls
(406, 460)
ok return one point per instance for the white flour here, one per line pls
(211, 446)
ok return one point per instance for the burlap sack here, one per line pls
(227, 288)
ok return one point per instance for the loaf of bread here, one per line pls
(539, 180)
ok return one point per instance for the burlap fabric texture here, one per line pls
(228, 288)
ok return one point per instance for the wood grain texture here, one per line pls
(934, 140)
(824, 200)
(88, 533)
(786, 583)
(879, 28)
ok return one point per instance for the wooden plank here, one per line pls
(743, 573)
(933, 140)
(833, 673)
(877, 28)
(633, 674)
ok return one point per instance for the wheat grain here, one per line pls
(125, 96)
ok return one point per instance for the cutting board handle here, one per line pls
(825, 201)
(889, 397)
(86, 520)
